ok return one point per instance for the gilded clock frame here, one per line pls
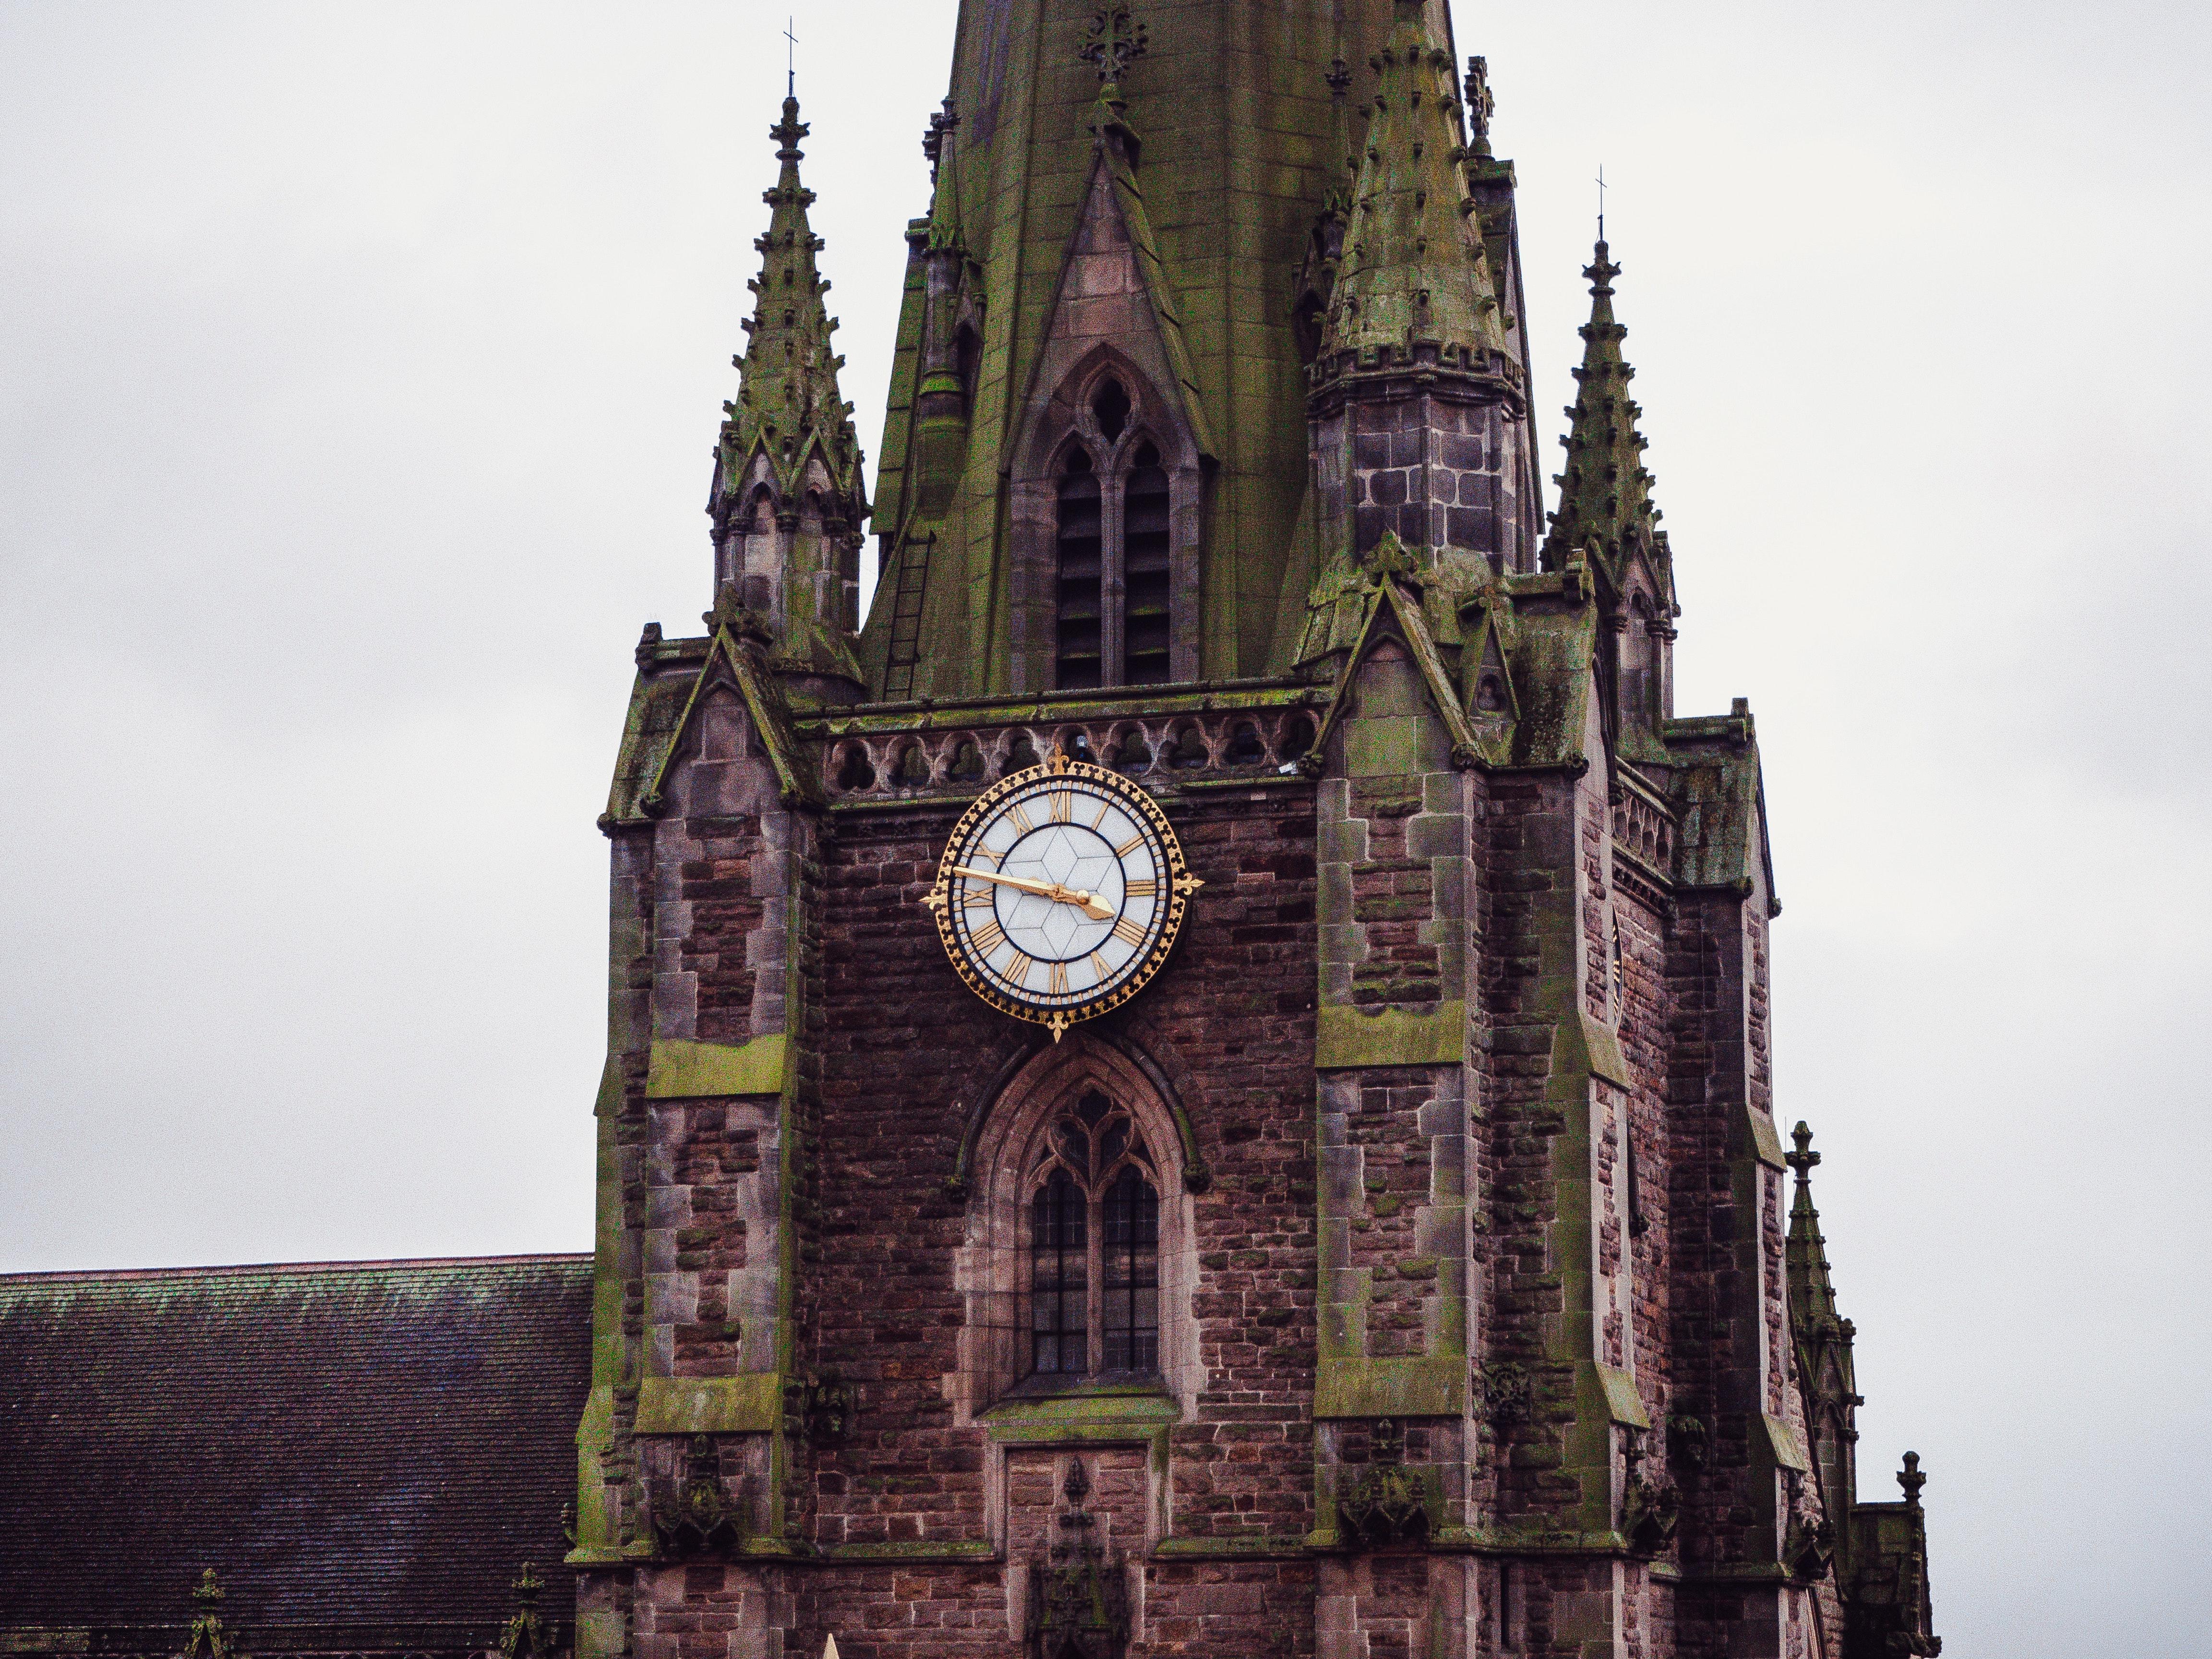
(1177, 885)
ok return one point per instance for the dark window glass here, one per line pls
(1077, 600)
(1094, 1272)
(1130, 1314)
(1144, 571)
(1059, 1338)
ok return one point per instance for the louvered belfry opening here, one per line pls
(1078, 600)
(1144, 577)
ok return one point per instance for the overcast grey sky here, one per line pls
(358, 369)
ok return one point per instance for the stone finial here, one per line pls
(1605, 493)
(742, 620)
(788, 405)
(1804, 1159)
(942, 124)
(1077, 1590)
(208, 1638)
(1912, 1479)
(525, 1635)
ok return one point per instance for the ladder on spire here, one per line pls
(906, 618)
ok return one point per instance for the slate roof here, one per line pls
(371, 1443)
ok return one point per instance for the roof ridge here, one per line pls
(226, 1268)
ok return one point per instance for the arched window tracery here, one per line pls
(1105, 526)
(1079, 1259)
(1094, 1278)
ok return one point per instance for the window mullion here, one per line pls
(1113, 585)
(1096, 1283)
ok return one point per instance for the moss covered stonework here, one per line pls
(1485, 1324)
(1485, 1328)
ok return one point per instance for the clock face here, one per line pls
(1060, 892)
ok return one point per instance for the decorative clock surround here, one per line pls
(1060, 892)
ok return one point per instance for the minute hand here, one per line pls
(1084, 902)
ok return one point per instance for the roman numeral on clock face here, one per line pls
(1129, 932)
(989, 937)
(1057, 980)
(1142, 889)
(1063, 805)
(979, 901)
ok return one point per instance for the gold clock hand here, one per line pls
(1083, 902)
(1043, 889)
(1087, 903)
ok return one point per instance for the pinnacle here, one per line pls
(1811, 1294)
(788, 400)
(1414, 270)
(1605, 493)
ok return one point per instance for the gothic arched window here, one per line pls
(1106, 498)
(1094, 1249)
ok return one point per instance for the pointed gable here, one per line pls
(1113, 296)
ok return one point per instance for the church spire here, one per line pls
(788, 500)
(1606, 491)
(1414, 281)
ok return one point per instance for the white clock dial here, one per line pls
(1061, 891)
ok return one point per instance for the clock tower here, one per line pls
(1198, 1083)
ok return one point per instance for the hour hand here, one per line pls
(1086, 902)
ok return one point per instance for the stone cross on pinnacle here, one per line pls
(1115, 42)
(1481, 103)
